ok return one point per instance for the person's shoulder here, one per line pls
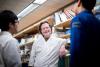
(75, 22)
(59, 39)
(7, 38)
(75, 18)
(83, 17)
(12, 41)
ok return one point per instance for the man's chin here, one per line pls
(14, 32)
(47, 36)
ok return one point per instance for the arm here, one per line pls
(11, 55)
(63, 50)
(75, 41)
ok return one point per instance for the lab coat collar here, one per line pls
(5, 33)
(51, 36)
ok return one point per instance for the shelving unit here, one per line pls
(65, 36)
(26, 44)
(65, 24)
(25, 51)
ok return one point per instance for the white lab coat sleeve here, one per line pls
(33, 54)
(63, 42)
(62, 48)
(10, 54)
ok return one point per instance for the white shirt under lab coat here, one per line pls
(9, 56)
(46, 53)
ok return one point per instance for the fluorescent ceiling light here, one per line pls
(27, 10)
(39, 1)
(30, 8)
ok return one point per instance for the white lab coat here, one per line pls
(46, 53)
(9, 56)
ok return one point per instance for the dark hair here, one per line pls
(88, 4)
(7, 17)
(44, 23)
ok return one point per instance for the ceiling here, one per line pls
(15, 5)
(48, 8)
(31, 20)
(45, 10)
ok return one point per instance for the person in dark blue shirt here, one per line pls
(85, 36)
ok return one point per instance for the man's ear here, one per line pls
(10, 25)
(79, 3)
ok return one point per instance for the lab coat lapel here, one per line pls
(44, 41)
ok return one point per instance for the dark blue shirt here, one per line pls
(85, 40)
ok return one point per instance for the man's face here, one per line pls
(13, 27)
(46, 30)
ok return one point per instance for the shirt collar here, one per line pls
(86, 11)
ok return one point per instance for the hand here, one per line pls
(62, 51)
